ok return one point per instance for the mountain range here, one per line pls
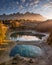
(25, 16)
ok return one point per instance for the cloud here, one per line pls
(49, 4)
(48, 0)
(34, 4)
(17, 3)
(27, 4)
(31, 4)
(36, 1)
(21, 7)
(23, 1)
(30, 0)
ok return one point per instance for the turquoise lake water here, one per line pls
(26, 51)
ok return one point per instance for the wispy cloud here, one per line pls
(36, 1)
(27, 4)
(21, 7)
(49, 4)
(17, 3)
(23, 1)
(31, 4)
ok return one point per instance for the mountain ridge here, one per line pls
(25, 16)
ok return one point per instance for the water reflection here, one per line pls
(23, 37)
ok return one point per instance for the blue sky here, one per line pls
(43, 7)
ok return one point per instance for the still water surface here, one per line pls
(21, 36)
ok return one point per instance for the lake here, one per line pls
(26, 51)
(25, 36)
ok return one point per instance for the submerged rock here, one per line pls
(26, 51)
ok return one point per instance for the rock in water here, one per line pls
(26, 51)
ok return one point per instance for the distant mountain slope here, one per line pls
(45, 26)
(26, 16)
